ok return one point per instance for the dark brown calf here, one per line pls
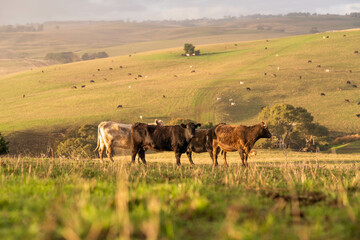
(201, 143)
(237, 138)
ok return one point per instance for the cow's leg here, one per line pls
(241, 153)
(142, 156)
(188, 153)
(109, 151)
(246, 155)
(178, 156)
(135, 151)
(101, 151)
(224, 157)
(215, 153)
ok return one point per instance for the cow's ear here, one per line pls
(183, 125)
(198, 125)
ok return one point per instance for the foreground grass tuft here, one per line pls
(56, 199)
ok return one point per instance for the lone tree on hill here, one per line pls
(189, 48)
(293, 126)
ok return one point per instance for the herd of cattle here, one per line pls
(183, 138)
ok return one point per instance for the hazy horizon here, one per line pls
(39, 11)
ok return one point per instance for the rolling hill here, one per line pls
(172, 85)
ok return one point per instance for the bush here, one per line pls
(189, 48)
(4, 145)
(63, 57)
(79, 143)
(87, 56)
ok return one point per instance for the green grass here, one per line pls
(50, 103)
(305, 196)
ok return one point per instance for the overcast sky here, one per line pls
(36, 11)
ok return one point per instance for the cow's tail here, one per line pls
(98, 139)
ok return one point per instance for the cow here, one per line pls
(249, 89)
(348, 82)
(322, 94)
(113, 134)
(110, 69)
(92, 81)
(347, 100)
(309, 61)
(237, 138)
(355, 86)
(161, 138)
(201, 143)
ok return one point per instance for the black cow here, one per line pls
(161, 138)
(202, 143)
(348, 82)
(322, 94)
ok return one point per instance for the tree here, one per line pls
(79, 143)
(4, 145)
(189, 48)
(292, 125)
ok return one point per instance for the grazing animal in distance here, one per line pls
(347, 100)
(356, 51)
(192, 71)
(358, 103)
(339, 89)
(98, 69)
(23, 95)
(266, 48)
(121, 66)
(92, 81)
(273, 75)
(105, 79)
(319, 66)
(309, 61)
(265, 74)
(139, 75)
(129, 74)
(300, 77)
(232, 104)
(218, 98)
(119, 106)
(355, 86)
(164, 96)
(110, 69)
(350, 71)
(348, 82)
(74, 87)
(322, 94)
(344, 35)
(237, 138)
(82, 86)
(358, 115)
(161, 138)
(175, 75)
(249, 89)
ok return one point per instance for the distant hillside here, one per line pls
(165, 85)
(19, 49)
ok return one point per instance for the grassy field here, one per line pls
(26, 50)
(50, 101)
(292, 196)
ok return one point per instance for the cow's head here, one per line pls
(265, 133)
(190, 129)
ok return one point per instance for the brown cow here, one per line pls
(237, 138)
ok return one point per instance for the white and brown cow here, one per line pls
(115, 135)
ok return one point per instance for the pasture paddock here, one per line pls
(302, 196)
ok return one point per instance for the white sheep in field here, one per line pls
(233, 104)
